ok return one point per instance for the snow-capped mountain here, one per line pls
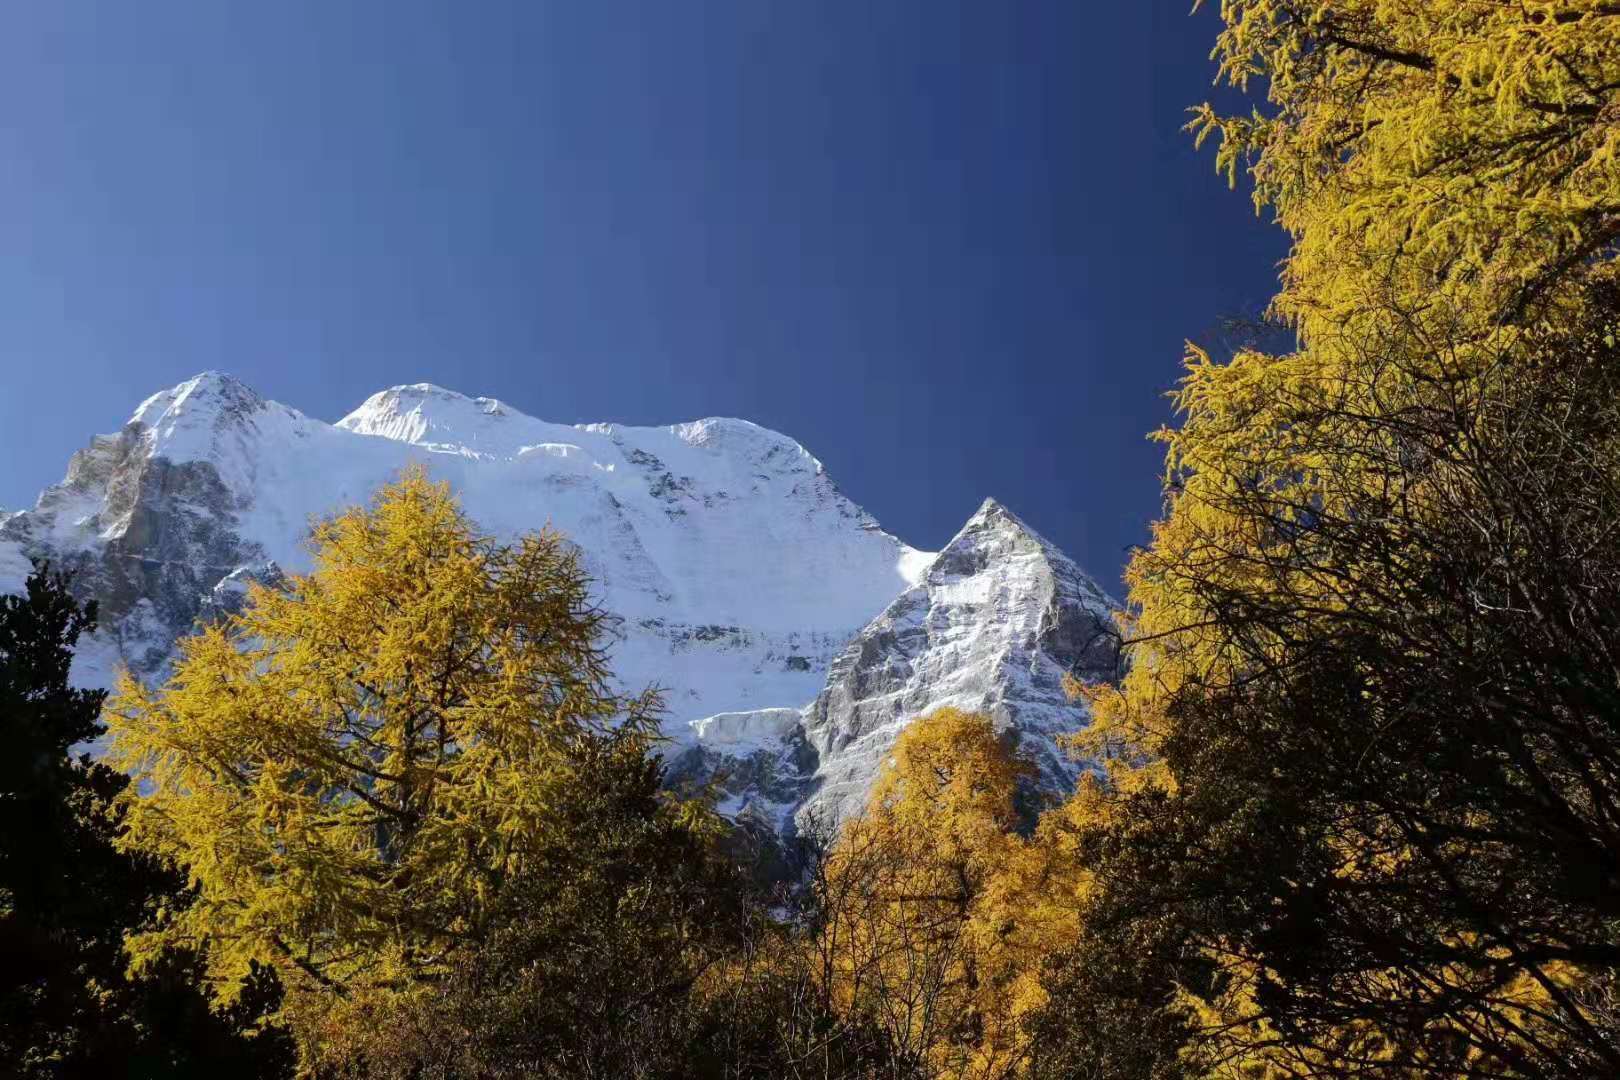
(992, 626)
(740, 575)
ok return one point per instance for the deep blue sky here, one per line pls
(952, 248)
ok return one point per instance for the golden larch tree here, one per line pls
(1342, 523)
(350, 768)
(936, 909)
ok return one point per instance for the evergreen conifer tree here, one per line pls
(68, 896)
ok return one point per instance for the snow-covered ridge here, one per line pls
(734, 561)
(434, 418)
(741, 577)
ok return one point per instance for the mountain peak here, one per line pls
(994, 534)
(999, 619)
(187, 421)
(993, 517)
(216, 418)
(993, 511)
(739, 576)
(745, 438)
(424, 392)
(207, 392)
(422, 396)
(436, 418)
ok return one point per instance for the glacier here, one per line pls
(792, 636)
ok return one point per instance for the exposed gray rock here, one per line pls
(230, 593)
(999, 619)
(148, 538)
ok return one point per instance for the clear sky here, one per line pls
(952, 248)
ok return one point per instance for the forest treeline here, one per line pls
(1355, 809)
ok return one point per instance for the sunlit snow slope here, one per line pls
(736, 568)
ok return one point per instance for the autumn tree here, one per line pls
(352, 770)
(1460, 150)
(1359, 810)
(768, 1009)
(592, 951)
(1394, 823)
(934, 911)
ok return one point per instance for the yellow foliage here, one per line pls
(1440, 164)
(1459, 148)
(1449, 171)
(938, 913)
(350, 768)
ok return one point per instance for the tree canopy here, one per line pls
(1358, 816)
(350, 769)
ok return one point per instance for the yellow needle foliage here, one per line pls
(350, 768)
(1448, 172)
(938, 912)
(1441, 166)
(1462, 147)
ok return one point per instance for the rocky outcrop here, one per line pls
(1000, 617)
(147, 537)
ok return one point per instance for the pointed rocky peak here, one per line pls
(993, 519)
(992, 516)
(999, 620)
(994, 534)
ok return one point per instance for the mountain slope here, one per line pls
(738, 572)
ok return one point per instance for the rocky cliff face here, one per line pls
(743, 581)
(997, 621)
(149, 524)
(993, 625)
